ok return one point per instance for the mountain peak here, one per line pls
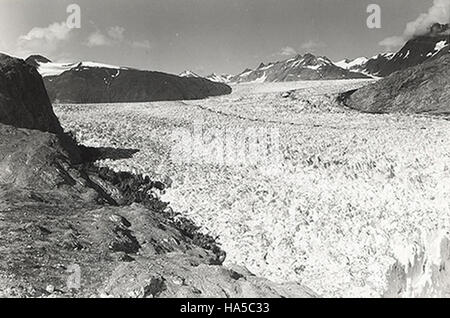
(308, 55)
(297, 68)
(188, 73)
(439, 29)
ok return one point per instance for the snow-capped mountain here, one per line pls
(368, 66)
(352, 64)
(188, 74)
(301, 67)
(416, 51)
(48, 68)
(224, 78)
(91, 82)
(213, 77)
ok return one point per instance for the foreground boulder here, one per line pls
(424, 88)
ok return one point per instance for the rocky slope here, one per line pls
(89, 82)
(424, 88)
(70, 229)
(306, 67)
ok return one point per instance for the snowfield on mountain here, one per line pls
(345, 203)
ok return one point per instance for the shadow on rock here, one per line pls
(92, 154)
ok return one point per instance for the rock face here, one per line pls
(306, 67)
(81, 231)
(88, 82)
(424, 88)
(34, 159)
(23, 100)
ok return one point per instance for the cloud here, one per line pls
(438, 13)
(54, 32)
(392, 43)
(287, 51)
(313, 45)
(114, 35)
(98, 39)
(47, 38)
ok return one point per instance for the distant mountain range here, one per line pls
(301, 67)
(310, 67)
(91, 82)
(96, 82)
(224, 78)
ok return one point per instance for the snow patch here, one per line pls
(350, 64)
(56, 69)
(189, 74)
(439, 47)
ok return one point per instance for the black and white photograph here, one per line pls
(224, 149)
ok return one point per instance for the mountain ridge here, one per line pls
(300, 67)
(92, 82)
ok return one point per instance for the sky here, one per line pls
(205, 36)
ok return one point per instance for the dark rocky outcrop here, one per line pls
(23, 100)
(424, 88)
